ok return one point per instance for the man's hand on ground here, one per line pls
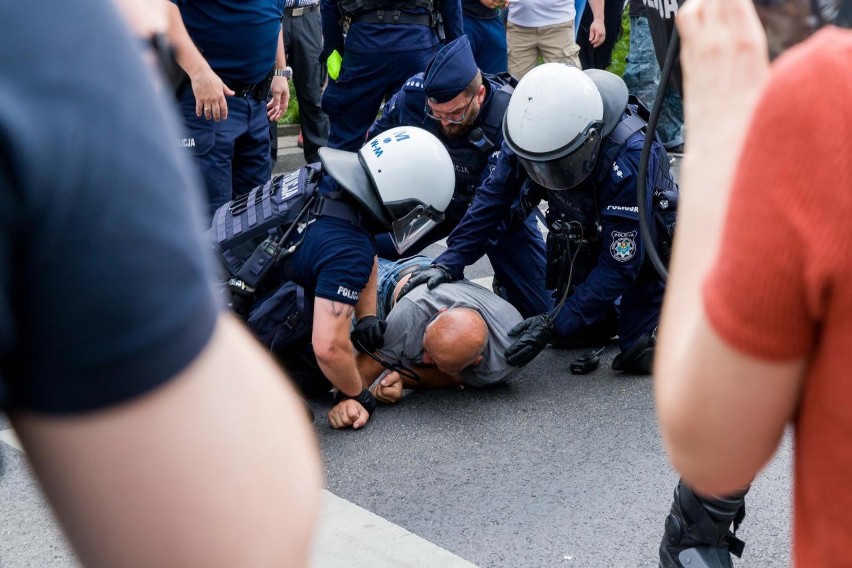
(280, 90)
(210, 92)
(389, 389)
(348, 413)
(432, 276)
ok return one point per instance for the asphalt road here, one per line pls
(551, 469)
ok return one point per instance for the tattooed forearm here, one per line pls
(342, 310)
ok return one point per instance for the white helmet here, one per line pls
(404, 178)
(556, 119)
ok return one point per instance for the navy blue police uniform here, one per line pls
(239, 41)
(385, 44)
(518, 255)
(597, 224)
(331, 257)
(484, 28)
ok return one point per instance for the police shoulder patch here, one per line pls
(623, 246)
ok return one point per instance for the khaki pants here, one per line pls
(555, 44)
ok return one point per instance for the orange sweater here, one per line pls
(782, 287)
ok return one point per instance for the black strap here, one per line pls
(365, 398)
(334, 208)
(392, 17)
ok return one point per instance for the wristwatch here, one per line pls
(287, 73)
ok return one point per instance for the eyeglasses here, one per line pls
(428, 111)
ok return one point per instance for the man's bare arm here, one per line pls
(333, 349)
(208, 88)
(217, 467)
(721, 412)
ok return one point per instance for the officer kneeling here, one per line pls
(574, 138)
(301, 254)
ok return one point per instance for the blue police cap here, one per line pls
(450, 71)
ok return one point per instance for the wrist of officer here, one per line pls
(365, 398)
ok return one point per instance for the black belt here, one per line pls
(391, 17)
(258, 91)
(301, 10)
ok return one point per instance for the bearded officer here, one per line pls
(464, 108)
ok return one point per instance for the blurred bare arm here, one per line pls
(217, 467)
(708, 394)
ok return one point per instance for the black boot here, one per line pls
(639, 358)
(698, 534)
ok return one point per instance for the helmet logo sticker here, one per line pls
(623, 246)
(378, 146)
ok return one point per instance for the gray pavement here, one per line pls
(551, 469)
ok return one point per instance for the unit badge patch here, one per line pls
(623, 246)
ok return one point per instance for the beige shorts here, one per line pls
(554, 43)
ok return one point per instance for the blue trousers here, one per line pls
(353, 100)
(488, 42)
(642, 76)
(518, 259)
(232, 155)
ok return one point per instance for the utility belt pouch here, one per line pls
(259, 263)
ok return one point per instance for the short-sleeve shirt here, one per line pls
(780, 289)
(104, 283)
(238, 38)
(408, 319)
(335, 259)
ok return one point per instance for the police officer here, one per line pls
(464, 108)
(572, 137)
(385, 44)
(401, 181)
(233, 54)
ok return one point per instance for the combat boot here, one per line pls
(697, 532)
(639, 358)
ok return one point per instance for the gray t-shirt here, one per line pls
(408, 319)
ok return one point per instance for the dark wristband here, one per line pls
(365, 399)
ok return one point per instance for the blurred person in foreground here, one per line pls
(754, 328)
(160, 433)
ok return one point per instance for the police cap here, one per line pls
(450, 71)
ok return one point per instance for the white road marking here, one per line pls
(10, 438)
(352, 537)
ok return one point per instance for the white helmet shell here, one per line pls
(551, 106)
(404, 178)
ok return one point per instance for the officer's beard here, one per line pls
(456, 131)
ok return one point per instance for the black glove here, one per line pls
(432, 276)
(368, 334)
(535, 334)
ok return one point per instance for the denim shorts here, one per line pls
(390, 273)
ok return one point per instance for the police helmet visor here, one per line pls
(409, 228)
(568, 170)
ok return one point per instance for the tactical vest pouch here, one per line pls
(282, 320)
(240, 226)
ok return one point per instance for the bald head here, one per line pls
(455, 339)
